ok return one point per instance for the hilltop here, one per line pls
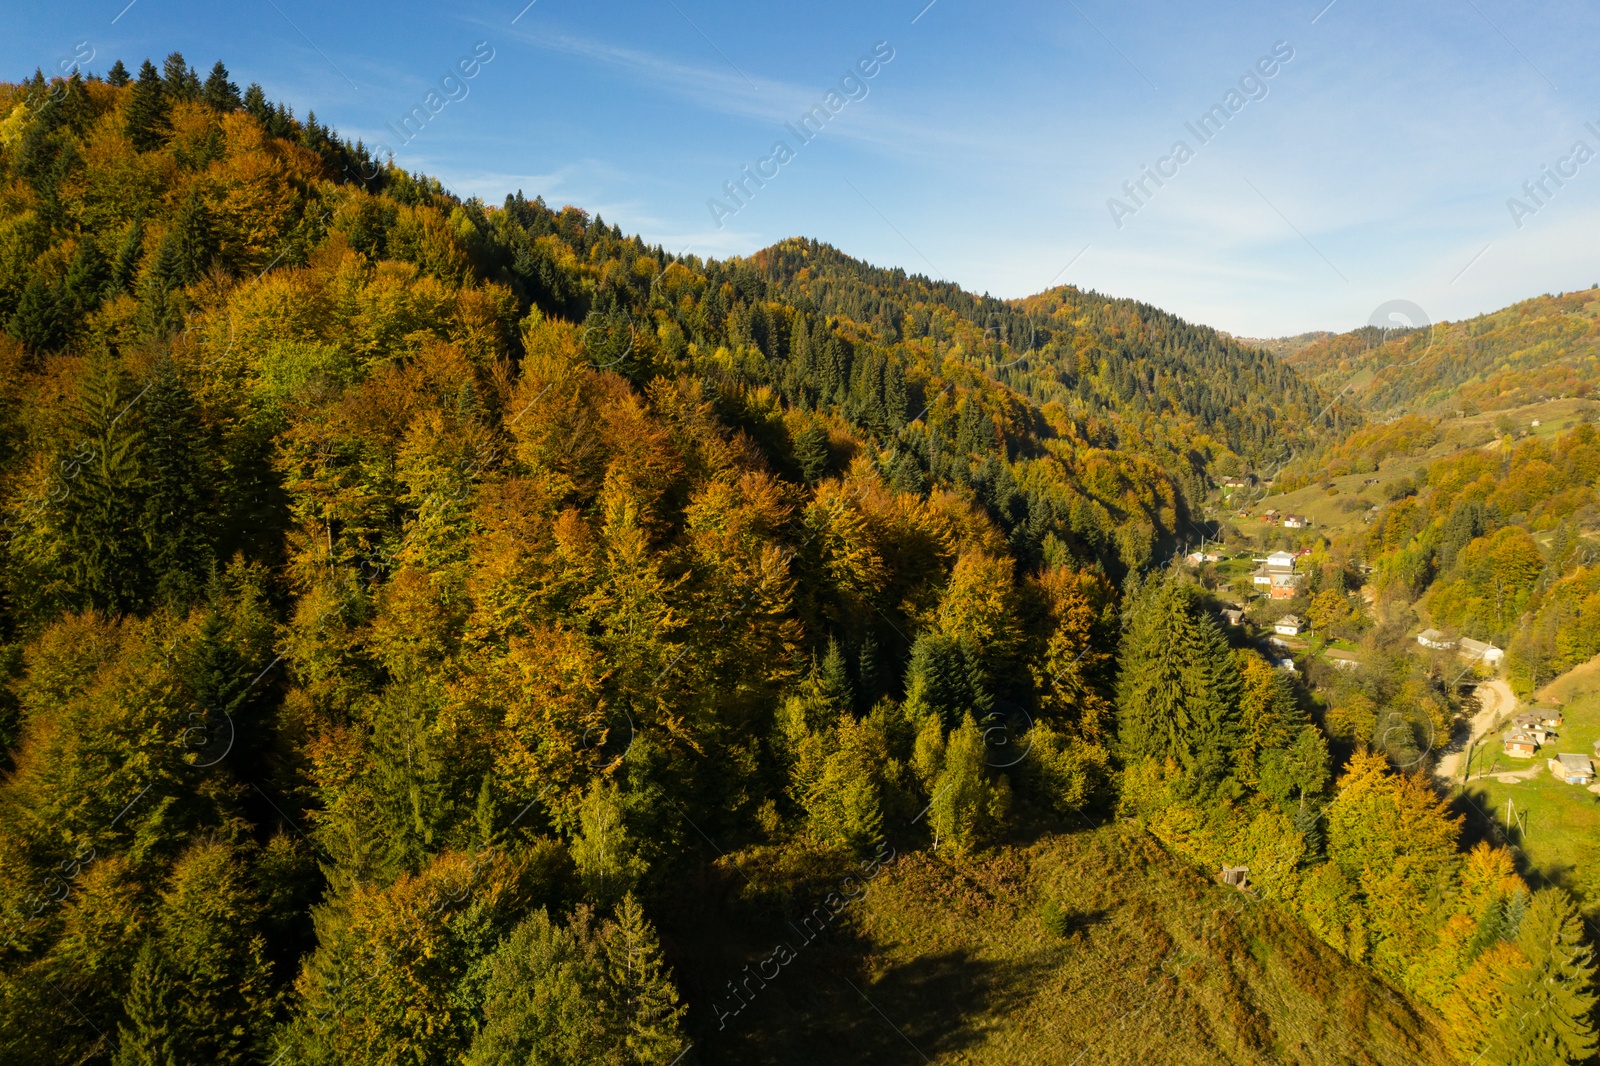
(1542, 348)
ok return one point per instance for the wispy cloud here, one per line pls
(774, 102)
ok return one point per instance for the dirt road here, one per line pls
(1495, 700)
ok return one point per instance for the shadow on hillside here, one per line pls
(821, 1009)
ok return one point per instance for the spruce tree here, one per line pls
(149, 1036)
(811, 452)
(146, 120)
(255, 103)
(127, 261)
(219, 92)
(104, 549)
(118, 75)
(179, 474)
(86, 280)
(40, 320)
(179, 78)
(834, 678)
(1545, 1019)
(646, 1017)
(188, 247)
(1179, 689)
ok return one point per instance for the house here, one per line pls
(1432, 638)
(1196, 558)
(1237, 876)
(1341, 660)
(1284, 664)
(1269, 516)
(1295, 521)
(1288, 626)
(1520, 745)
(1534, 726)
(1573, 769)
(1277, 574)
(1233, 615)
(1550, 717)
(1237, 482)
(1477, 650)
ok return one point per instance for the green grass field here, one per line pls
(1556, 825)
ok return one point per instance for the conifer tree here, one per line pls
(179, 78)
(1545, 1020)
(1178, 689)
(647, 1016)
(146, 118)
(187, 249)
(127, 261)
(103, 547)
(118, 75)
(42, 317)
(219, 92)
(150, 1035)
(834, 678)
(176, 499)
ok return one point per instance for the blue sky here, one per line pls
(1376, 166)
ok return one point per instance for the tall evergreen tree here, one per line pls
(146, 120)
(176, 499)
(1178, 688)
(179, 78)
(126, 264)
(150, 1036)
(104, 549)
(1546, 1020)
(117, 75)
(645, 1007)
(41, 319)
(219, 92)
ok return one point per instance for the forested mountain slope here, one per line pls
(418, 614)
(1548, 346)
(1158, 381)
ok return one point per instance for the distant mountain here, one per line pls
(1163, 383)
(1542, 348)
(1281, 346)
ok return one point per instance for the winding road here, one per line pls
(1495, 698)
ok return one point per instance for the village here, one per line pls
(1524, 760)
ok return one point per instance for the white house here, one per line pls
(1288, 626)
(1295, 521)
(1477, 650)
(1432, 638)
(1277, 573)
